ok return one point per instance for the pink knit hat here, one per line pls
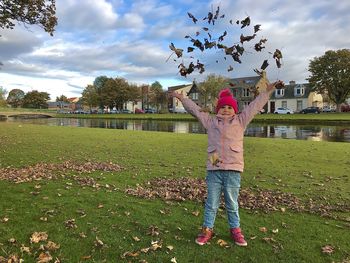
(226, 98)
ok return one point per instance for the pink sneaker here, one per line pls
(237, 236)
(205, 235)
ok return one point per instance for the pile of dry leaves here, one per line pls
(42, 171)
(194, 189)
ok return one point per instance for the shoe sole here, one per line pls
(241, 244)
(200, 243)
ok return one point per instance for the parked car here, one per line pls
(149, 110)
(179, 110)
(328, 109)
(125, 111)
(311, 110)
(283, 110)
(139, 111)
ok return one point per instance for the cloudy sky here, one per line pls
(130, 39)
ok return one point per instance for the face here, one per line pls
(227, 110)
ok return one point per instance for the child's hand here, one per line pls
(274, 85)
(176, 95)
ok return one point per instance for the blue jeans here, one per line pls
(228, 182)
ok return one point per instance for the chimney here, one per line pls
(292, 82)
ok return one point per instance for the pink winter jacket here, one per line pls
(225, 136)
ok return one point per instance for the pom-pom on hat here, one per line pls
(226, 98)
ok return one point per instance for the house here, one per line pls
(295, 97)
(174, 105)
(243, 89)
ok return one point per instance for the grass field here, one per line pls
(89, 217)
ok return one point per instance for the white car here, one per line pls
(283, 110)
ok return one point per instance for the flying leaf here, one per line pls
(192, 17)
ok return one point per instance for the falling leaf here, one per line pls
(38, 236)
(328, 249)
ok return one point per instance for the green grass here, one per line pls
(304, 168)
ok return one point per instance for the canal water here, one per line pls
(299, 132)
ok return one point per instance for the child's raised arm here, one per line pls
(258, 103)
(192, 108)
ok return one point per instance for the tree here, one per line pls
(36, 100)
(98, 84)
(28, 12)
(90, 96)
(210, 88)
(158, 95)
(2, 97)
(15, 98)
(330, 74)
(62, 98)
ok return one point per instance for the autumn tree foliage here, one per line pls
(330, 74)
(36, 100)
(28, 12)
(15, 98)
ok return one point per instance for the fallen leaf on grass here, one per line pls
(195, 213)
(275, 231)
(52, 246)
(24, 249)
(170, 247)
(173, 260)
(38, 236)
(222, 243)
(99, 243)
(5, 219)
(44, 257)
(70, 223)
(131, 254)
(263, 229)
(12, 241)
(328, 249)
(136, 239)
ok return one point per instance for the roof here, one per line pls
(246, 80)
(178, 87)
(289, 92)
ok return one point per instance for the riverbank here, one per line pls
(323, 118)
(90, 212)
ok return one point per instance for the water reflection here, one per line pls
(299, 132)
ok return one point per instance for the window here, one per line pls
(299, 90)
(195, 96)
(246, 92)
(279, 92)
(284, 103)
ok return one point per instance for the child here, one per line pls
(225, 156)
